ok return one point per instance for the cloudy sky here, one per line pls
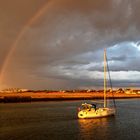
(58, 44)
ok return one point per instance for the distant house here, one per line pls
(138, 92)
(14, 90)
(120, 90)
(129, 91)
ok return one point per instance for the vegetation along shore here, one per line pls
(28, 96)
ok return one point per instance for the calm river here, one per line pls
(58, 121)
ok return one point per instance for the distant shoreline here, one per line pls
(58, 96)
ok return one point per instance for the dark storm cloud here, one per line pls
(66, 43)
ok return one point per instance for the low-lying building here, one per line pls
(14, 90)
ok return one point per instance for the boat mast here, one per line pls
(105, 102)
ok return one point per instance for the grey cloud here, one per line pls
(118, 58)
(130, 61)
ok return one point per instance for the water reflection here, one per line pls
(93, 127)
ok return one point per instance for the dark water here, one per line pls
(58, 121)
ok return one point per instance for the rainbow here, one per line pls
(13, 47)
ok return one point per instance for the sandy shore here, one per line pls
(42, 96)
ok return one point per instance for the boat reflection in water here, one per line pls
(95, 128)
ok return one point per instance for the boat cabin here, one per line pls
(86, 106)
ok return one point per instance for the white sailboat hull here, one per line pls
(99, 112)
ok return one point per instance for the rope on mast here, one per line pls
(110, 82)
(105, 85)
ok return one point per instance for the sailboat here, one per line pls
(90, 110)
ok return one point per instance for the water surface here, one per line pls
(58, 121)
